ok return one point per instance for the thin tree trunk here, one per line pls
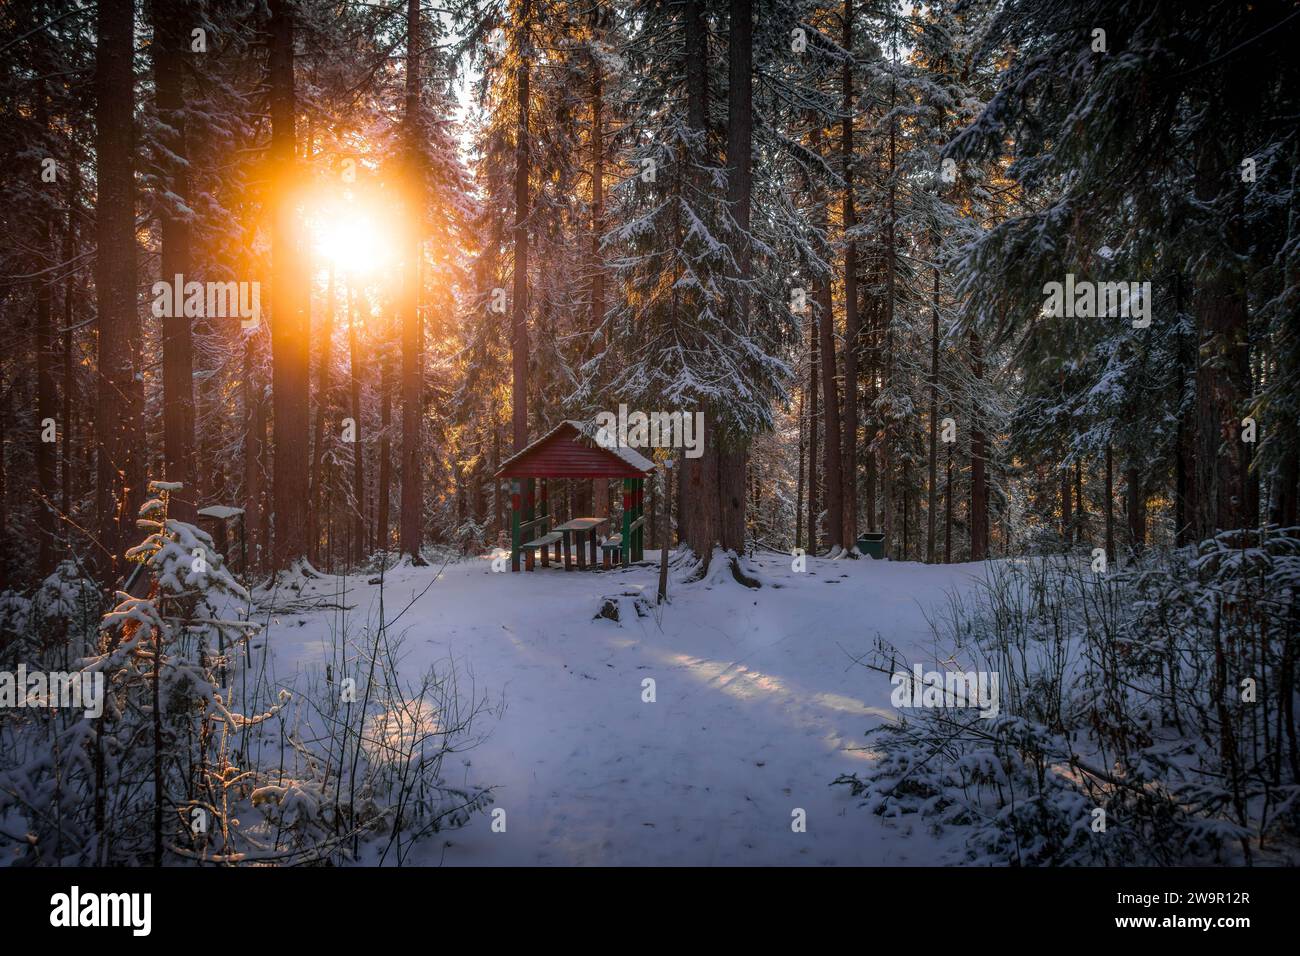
(385, 478)
(410, 526)
(519, 307)
(979, 516)
(498, 492)
(290, 324)
(119, 438)
(1110, 505)
(932, 491)
(1067, 510)
(1137, 509)
(254, 435)
(872, 354)
(324, 359)
(849, 460)
(832, 469)
(907, 483)
(157, 747)
(947, 510)
(6, 407)
(171, 42)
(798, 497)
(1227, 494)
(811, 401)
(597, 186)
(358, 458)
(886, 430)
(596, 492)
(1080, 508)
(69, 379)
(46, 392)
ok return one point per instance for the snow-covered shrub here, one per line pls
(66, 608)
(15, 610)
(61, 618)
(197, 756)
(471, 537)
(1146, 717)
(115, 788)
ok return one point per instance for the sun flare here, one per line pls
(352, 238)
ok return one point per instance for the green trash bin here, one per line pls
(872, 544)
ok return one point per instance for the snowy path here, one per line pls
(759, 707)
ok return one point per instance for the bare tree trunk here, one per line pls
(695, 475)
(872, 355)
(907, 484)
(947, 511)
(6, 408)
(254, 435)
(158, 653)
(1288, 475)
(717, 499)
(979, 514)
(886, 430)
(410, 525)
(69, 378)
(1227, 493)
(811, 402)
(1137, 509)
(733, 455)
(830, 392)
(1067, 510)
(171, 39)
(1110, 505)
(358, 458)
(290, 323)
(1224, 486)
(119, 439)
(1080, 506)
(798, 497)
(932, 491)
(697, 67)
(324, 359)
(703, 521)
(593, 496)
(597, 181)
(519, 314)
(385, 478)
(849, 461)
(46, 390)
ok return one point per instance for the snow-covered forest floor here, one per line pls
(758, 705)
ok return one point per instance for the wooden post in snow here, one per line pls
(663, 546)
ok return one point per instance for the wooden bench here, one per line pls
(609, 549)
(544, 544)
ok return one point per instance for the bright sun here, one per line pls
(349, 237)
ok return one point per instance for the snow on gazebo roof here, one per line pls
(629, 454)
(581, 455)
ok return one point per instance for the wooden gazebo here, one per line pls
(571, 450)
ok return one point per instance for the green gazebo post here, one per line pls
(521, 513)
(638, 535)
(625, 539)
(633, 527)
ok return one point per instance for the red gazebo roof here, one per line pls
(570, 450)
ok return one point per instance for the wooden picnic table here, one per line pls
(578, 527)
